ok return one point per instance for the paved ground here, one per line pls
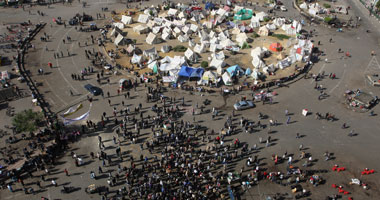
(355, 153)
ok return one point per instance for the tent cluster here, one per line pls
(183, 23)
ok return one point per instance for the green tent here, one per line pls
(243, 14)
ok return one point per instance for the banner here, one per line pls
(72, 110)
(80, 118)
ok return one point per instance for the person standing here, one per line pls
(66, 172)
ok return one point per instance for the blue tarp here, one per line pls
(197, 72)
(248, 71)
(234, 69)
(209, 6)
(190, 72)
(185, 71)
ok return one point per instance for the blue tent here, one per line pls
(197, 73)
(248, 71)
(209, 6)
(233, 70)
(185, 71)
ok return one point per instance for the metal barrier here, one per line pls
(21, 65)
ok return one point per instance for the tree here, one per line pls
(204, 64)
(27, 120)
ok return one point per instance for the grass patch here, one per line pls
(204, 64)
(179, 48)
(280, 36)
(326, 5)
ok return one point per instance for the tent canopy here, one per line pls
(243, 14)
(233, 70)
(190, 72)
(276, 47)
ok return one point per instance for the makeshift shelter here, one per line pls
(199, 48)
(153, 66)
(261, 16)
(130, 49)
(141, 29)
(226, 79)
(209, 76)
(151, 53)
(241, 38)
(257, 62)
(189, 54)
(136, 59)
(165, 48)
(116, 31)
(255, 74)
(281, 56)
(243, 14)
(165, 36)
(276, 47)
(219, 56)
(151, 39)
(143, 18)
(263, 31)
(304, 6)
(172, 12)
(227, 43)
(279, 22)
(197, 73)
(192, 43)
(126, 20)
(185, 71)
(234, 70)
(120, 40)
(259, 52)
(183, 38)
(217, 64)
(248, 71)
(119, 25)
(255, 22)
(271, 27)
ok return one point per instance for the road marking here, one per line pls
(59, 68)
(323, 66)
(341, 79)
(52, 91)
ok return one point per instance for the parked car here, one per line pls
(242, 105)
(283, 8)
(93, 90)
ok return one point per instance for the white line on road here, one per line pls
(59, 67)
(341, 79)
(323, 66)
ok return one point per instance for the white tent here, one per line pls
(199, 48)
(172, 12)
(303, 6)
(151, 39)
(189, 54)
(120, 40)
(191, 43)
(218, 64)
(209, 76)
(271, 27)
(227, 43)
(136, 59)
(158, 21)
(235, 31)
(116, 31)
(151, 24)
(219, 56)
(143, 18)
(261, 16)
(255, 22)
(255, 74)
(263, 31)
(156, 29)
(126, 20)
(141, 29)
(258, 52)
(130, 48)
(257, 62)
(165, 36)
(193, 27)
(118, 25)
(279, 22)
(151, 53)
(241, 38)
(183, 38)
(165, 48)
(153, 64)
(181, 15)
(226, 79)
(186, 30)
